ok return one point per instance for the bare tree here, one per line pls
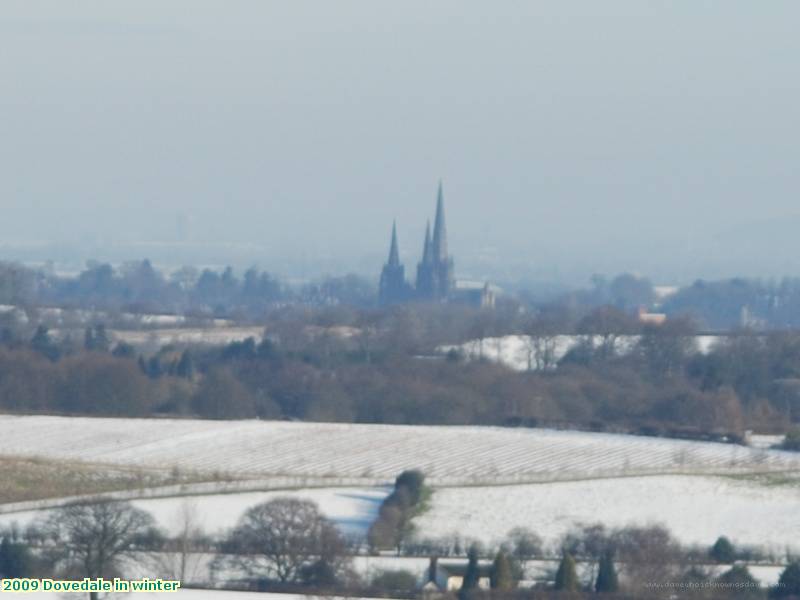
(649, 555)
(666, 348)
(181, 561)
(287, 540)
(481, 328)
(524, 545)
(603, 328)
(91, 540)
(367, 324)
(540, 344)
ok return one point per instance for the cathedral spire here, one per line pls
(439, 230)
(394, 254)
(392, 287)
(427, 256)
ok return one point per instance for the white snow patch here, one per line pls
(207, 336)
(765, 441)
(697, 510)
(514, 351)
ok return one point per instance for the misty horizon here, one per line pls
(571, 140)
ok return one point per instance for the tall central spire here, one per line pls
(394, 254)
(439, 230)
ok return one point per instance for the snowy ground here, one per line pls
(696, 510)
(348, 454)
(153, 339)
(765, 441)
(514, 350)
(569, 477)
(352, 509)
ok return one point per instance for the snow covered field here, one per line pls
(488, 479)
(696, 509)
(348, 454)
(352, 509)
(373, 453)
(514, 350)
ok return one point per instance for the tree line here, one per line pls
(287, 544)
(716, 305)
(139, 287)
(382, 367)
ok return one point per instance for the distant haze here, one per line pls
(571, 137)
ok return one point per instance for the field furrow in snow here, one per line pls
(448, 455)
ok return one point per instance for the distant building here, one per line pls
(436, 280)
(649, 318)
(474, 293)
(449, 576)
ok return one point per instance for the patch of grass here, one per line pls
(39, 479)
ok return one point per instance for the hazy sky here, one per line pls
(572, 137)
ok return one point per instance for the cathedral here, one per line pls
(435, 272)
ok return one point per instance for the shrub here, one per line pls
(723, 551)
(789, 582)
(792, 440)
(390, 580)
(566, 577)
